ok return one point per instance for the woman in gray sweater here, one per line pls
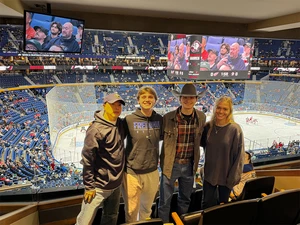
(223, 143)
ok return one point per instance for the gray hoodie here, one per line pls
(103, 156)
(143, 136)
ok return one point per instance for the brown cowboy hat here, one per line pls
(188, 90)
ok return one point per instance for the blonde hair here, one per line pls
(147, 89)
(230, 119)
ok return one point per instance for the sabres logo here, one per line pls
(195, 47)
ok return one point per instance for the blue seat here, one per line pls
(230, 40)
(213, 46)
(75, 30)
(241, 49)
(40, 23)
(42, 17)
(214, 40)
(61, 20)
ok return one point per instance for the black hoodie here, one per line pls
(103, 154)
(143, 136)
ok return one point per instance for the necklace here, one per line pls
(218, 129)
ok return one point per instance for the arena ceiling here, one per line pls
(254, 15)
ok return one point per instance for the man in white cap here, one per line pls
(180, 152)
(103, 161)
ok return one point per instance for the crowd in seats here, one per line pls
(42, 78)
(12, 80)
(70, 77)
(284, 78)
(25, 142)
(277, 150)
(268, 48)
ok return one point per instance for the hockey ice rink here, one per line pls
(257, 135)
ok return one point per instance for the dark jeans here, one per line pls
(184, 174)
(214, 195)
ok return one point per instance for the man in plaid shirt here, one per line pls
(180, 151)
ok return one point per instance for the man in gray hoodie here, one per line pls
(141, 178)
(103, 163)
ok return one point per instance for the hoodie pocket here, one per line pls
(145, 159)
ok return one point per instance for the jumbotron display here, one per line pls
(201, 57)
(49, 33)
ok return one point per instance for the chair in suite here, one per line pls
(280, 208)
(255, 187)
(241, 212)
(196, 199)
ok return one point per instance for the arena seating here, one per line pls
(254, 188)
(280, 208)
(277, 208)
(155, 221)
(242, 212)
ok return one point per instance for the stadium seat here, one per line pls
(214, 40)
(173, 207)
(230, 40)
(196, 199)
(40, 23)
(280, 208)
(61, 20)
(121, 216)
(241, 49)
(75, 30)
(156, 221)
(243, 212)
(42, 17)
(191, 218)
(213, 46)
(254, 188)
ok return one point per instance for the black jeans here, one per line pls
(214, 195)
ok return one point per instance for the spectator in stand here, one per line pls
(141, 179)
(234, 61)
(223, 143)
(176, 51)
(188, 49)
(248, 173)
(41, 35)
(170, 60)
(103, 162)
(246, 53)
(30, 32)
(79, 34)
(67, 40)
(224, 51)
(204, 53)
(56, 48)
(180, 62)
(33, 45)
(204, 66)
(55, 31)
(180, 152)
(212, 59)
